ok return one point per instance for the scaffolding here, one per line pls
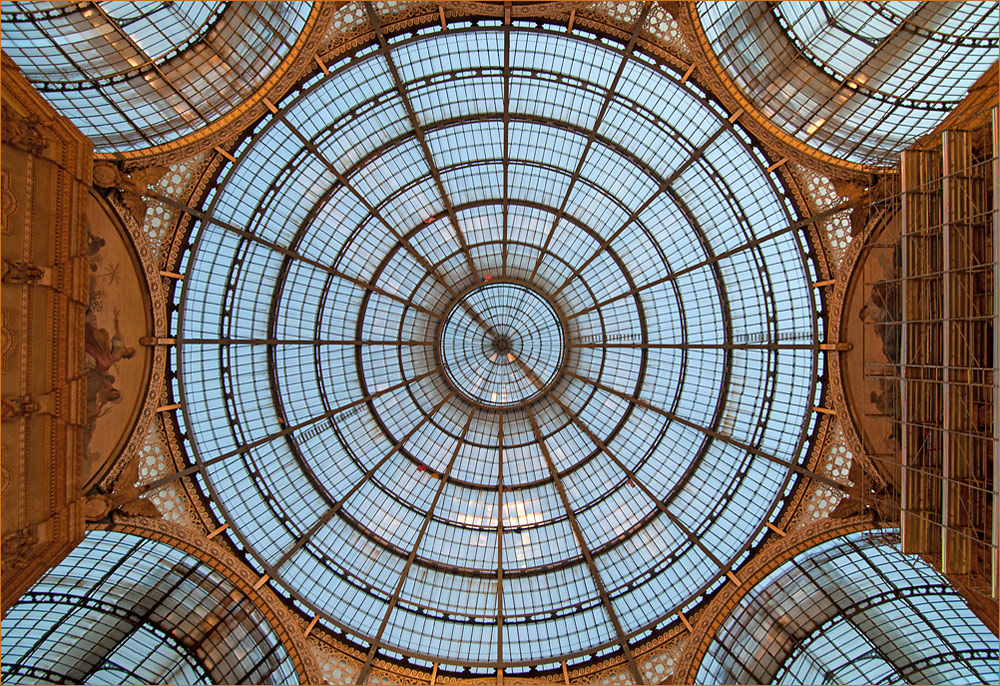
(947, 351)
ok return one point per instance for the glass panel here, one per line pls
(136, 74)
(853, 610)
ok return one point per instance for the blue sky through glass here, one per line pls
(341, 448)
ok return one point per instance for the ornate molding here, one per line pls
(17, 549)
(157, 375)
(175, 242)
(233, 570)
(536, 9)
(131, 185)
(836, 303)
(45, 181)
(24, 132)
(752, 574)
(124, 497)
(10, 203)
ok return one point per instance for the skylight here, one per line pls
(636, 236)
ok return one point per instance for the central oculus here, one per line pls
(502, 344)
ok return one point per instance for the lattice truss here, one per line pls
(155, 462)
(836, 463)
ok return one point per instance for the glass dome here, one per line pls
(856, 80)
(137, 74)
(558, 201)
(853, 610)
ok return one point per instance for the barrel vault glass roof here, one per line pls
(121, 609)
(853, 610)
(857, 80)
(354, 469)
(132, 74)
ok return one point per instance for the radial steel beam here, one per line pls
(371, 209)
(756, 452)
(243, 233)
(617, 148)
(179, 340)
(506, 140)
(500, 487)
(608, 96)
(582, 542)
(335, 508)
(634, 478)
(322, 520)
(376, 641)
(662, 188)
(201, 464)
(386, 53)
(700, 346)
(720, 256)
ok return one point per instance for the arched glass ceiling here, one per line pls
(854, 610)
(124, 609)
(520, 170)
(857, 80)
(137, 74)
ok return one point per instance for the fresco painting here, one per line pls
(115, 365)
